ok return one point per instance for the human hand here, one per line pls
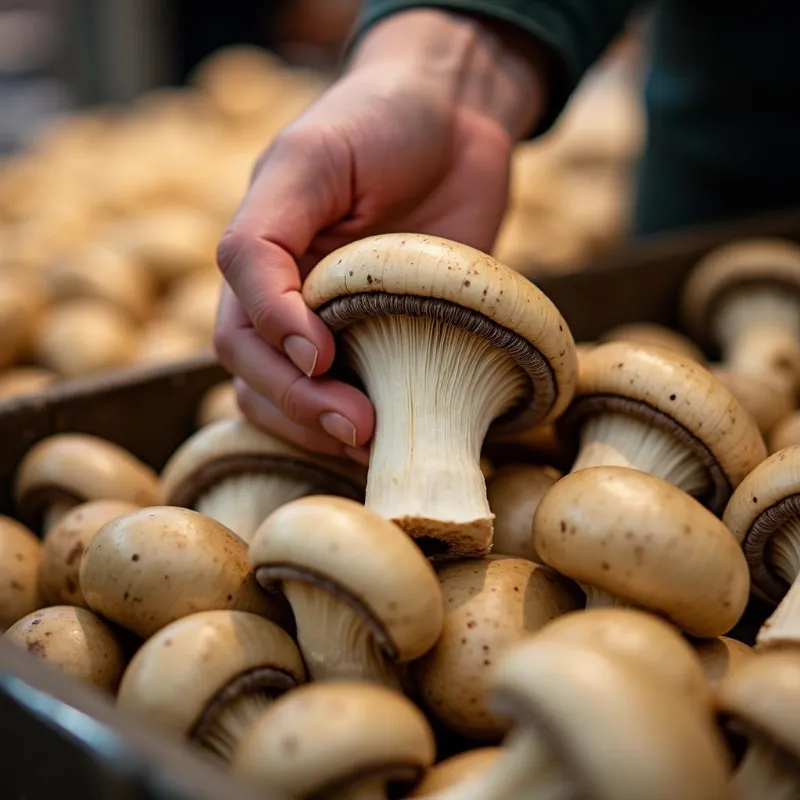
(417, 136)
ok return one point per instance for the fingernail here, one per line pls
(339, 427)
(361, 455)
(302, 353)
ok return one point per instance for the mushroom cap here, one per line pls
(761, 693)
(514, 494)
(83, 468)
(80, 337)
(646, 542)
(490, 604)
(457, 769)
(736, 266)
(654, 645)
(20, 557)
(164, 340)
(232, 447)
(618, 732)
(786, 433)
(64, 546)
(650, 334)
(19, 381)
(150, 567)
(721, 656)
(193, 301)
(328, 734)
(397, 268)
(678, 395)
(219, 402)
(73, 640)
(96, 270)
(22, 300)
(177, 673)
(362, 559)
(766, 401)
(762, 503)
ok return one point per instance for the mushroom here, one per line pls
(219, 402)
(155, 565)
(446, 340)
(20, 381)
(65, 544)
(514, 494)
(338, 740)
(82, 337)
(765, 399)
(207, 677)
(67, 469)
(164, 340)
(652, 335)
(239, 475)
(745, 297)
(193, 302)
(764, 516)
(75, 641)
(759, 698)
(653, 644)
(22, 301)
(539, 444)
(629, 538)
(593, 725)
(20, 557)
(786, 433)
(662, 413)
(458, 769)
(721, 656)
(364, 597)
(490, 604)
(97, 271)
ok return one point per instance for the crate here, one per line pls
(57, 733)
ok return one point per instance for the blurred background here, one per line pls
(127, 134)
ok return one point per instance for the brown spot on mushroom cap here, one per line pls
(457, 769)
(738, 266)
(699, 582)
(377, 568)
(328, 735)
(75, 641)
(232, 447)
(65, 544)
(704, 415)
(490, 605)
(421, 267)
(177, 674)
(20, 557)
(83, 467)
(761, 695)
(587, 703)
(206, 562)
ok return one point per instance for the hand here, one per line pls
(417, 136)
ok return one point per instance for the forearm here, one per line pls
(481, 64)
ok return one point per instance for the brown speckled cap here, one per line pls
(419, 275)
(677, 395)
(644, 541)
(739, 266)
(20, 558)
(490, 604)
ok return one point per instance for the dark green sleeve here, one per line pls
(575, 31)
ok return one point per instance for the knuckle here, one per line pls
(232, 248)
(292, 401)
(225, 346)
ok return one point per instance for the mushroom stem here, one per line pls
(436, 389)
(614, 440)
(527, 770)
(224, 731)
(56, 510)
(335, 640)
(600, 598)
(783, 555)
(243, 502)
(766, 772)
(760, 332)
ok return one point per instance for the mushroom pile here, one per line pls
(109, 222)
(535, 588)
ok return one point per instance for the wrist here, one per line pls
(476, 63)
